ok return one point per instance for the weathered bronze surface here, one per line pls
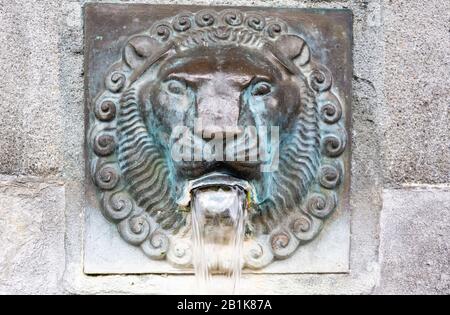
(151, 69)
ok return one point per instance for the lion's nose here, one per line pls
(218, 108)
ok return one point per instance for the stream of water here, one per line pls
(218, 236)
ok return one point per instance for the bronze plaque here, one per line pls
(180, 99)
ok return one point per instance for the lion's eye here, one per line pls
(176, 87)
(261, 89)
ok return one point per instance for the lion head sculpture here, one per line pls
(228, 70)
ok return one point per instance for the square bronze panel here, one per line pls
(327, 33)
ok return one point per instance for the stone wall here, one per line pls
(400, 167)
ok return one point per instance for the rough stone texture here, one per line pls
(400, 64)
(417, 118)
(415, 242)
(32, 227)
(30, 91)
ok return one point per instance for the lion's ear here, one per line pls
(138, 49)
(295, 48)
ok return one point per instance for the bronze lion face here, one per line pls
(221, 84)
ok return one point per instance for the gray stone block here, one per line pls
(417, 120)
(32, 226)
(31, 120)
(415, 242)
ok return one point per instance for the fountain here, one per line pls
(219, 204)
(220, 197)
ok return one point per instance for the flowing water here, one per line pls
(218, 235)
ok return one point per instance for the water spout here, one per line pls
(218, 233)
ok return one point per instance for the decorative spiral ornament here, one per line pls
(301, 225)
(233, 17)
(106, 176)
(275, 29)
(321, 206)
(257, 255)
(205, 18)
(329, 176)
(182, 23)
(135, 229)
(104, 144)
(283, 244)
(156, 246)
(331, 112)
(117, 206)
(105, 111)
(162, 31)
(180, 252)
(115, 82)
(256, 21)
(333, 145)
(321, 79)
(304, 227)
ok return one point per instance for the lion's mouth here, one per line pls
(214, 181)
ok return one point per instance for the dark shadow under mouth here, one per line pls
(244, 170)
